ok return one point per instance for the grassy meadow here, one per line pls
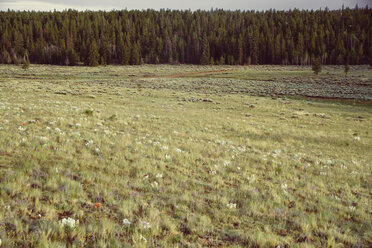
(183, 156)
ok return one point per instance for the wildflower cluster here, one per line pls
(69, 222)
(231, 205)
(145, 225)
(126, 222)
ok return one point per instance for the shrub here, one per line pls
(26, 64)
(317, 66)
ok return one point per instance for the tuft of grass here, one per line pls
(88, 112)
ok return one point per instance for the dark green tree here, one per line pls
(136, 55)
(238, 37)
(205, 57)
(317, 66)
(93, 56)
(26, 61)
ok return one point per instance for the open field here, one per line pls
(185, 156)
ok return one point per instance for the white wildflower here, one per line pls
(226, 163)
(238, 168)
(221, 142)
(328, 161)
(77, 125)
(76, 133)
(146, 177)
(167, 157)
(231, 205)
(252, 178)
(164, 148)
(155, 184)
(352, 208)
(276, 153)
(159, 175)
(143, 239)
(284, 186)
(97, 150)
(57, 130)
(69, 222)
(48, 128)
(126, 222)
(21, 128)
(145, 224)
(89, 143)
(178, 150)
(357, 138)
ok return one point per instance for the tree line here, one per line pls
(295, 37)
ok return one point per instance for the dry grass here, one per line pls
(185, 169)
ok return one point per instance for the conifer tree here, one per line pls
(270, 37)
(136, 55)
(93, 54)
(205, 57)
(72, 57)
(26, 64)
(317, 66)
(26, 61)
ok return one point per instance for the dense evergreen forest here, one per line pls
(200, 37)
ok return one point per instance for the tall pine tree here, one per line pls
(93, 56)
(205, 57)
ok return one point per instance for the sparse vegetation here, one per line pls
(196, 158)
